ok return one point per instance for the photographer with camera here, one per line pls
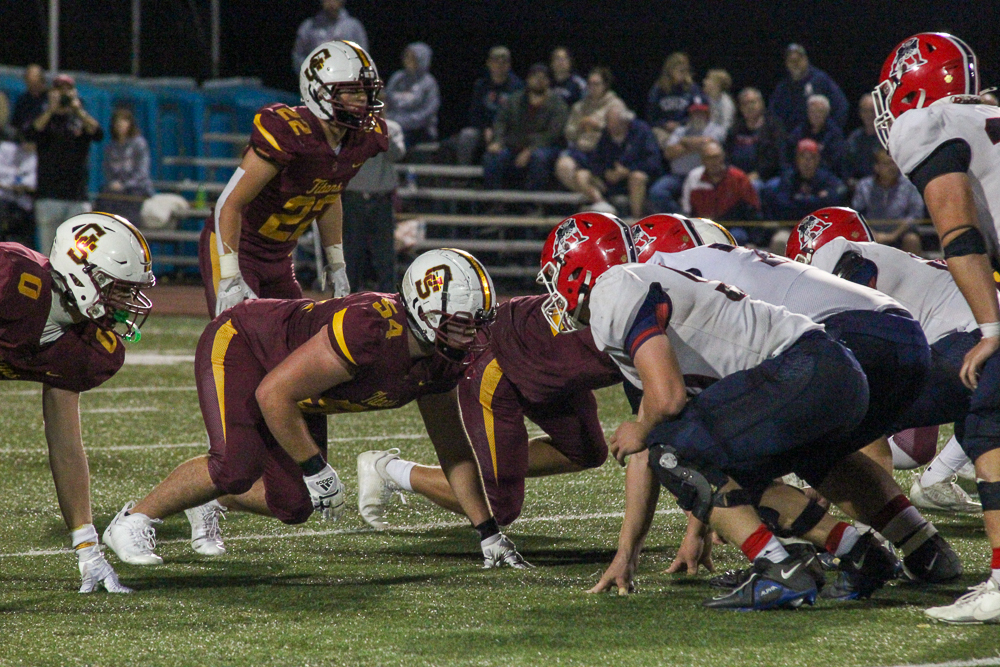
(62, 134)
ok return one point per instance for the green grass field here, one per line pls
(341, 594)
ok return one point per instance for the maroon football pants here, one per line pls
(494, 411)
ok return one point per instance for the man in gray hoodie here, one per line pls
(412, 98)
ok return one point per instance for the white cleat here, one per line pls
(206, 536)
(945, 495)
(375, 487)
(133, 538)
(980, 605)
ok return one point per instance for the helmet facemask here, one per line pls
(327, 96)
(556, 308)
(120, 305)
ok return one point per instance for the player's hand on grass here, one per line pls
(95, 572)
(976, 358)
(619, 576)
(326, 492)
(231, 292)
(695, 551)
(499, 551)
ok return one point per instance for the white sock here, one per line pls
(84, 534)
(398, 471)
(945, 464)
(847, 541)
(773, 551)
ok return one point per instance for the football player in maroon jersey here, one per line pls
(62, 320)
(266, 366)
(297, 163)
(526, 371)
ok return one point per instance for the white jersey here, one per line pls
(923, 286)
(777, 280)
(918, 132)
(714, 329)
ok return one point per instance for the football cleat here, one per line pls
(863, 570)
(980, 605)
(736, 578)
(375, 487)
(945, 495)
(933, 562)
(787, 584)
(206, 536)
(133, 538)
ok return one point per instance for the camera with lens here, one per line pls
(65, 100)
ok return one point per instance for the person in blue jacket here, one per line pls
(789, 99)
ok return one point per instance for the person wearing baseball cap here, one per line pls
(804, 187)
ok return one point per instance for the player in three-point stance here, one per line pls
(62, 320)
(780, 385)
(266, 367)
(930, 118)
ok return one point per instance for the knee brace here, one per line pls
(696, 490)
(803, 523)
(989, 495)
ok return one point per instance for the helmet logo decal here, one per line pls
(641, 239)
(435, 280)
(85, 243)
(810, 230)
(316, 64)
(907, 57)
(568, 236)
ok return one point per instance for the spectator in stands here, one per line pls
(716, 87)
(412, 98)
(566, 83)
(7, 132)
(127, 181)
(819, 128)
(805, 187)
(369, 221)
(683, 152)
(717, 190)
(488, 95)
(526, 135)
(30, 104)
(585, 124)
(332, 22)
(626, 158)
(671, 96)
(888, 195)
(18, 171)
(62, 133)
(859, 160)
(788, 102)
(756, 142)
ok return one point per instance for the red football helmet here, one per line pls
(820, 227)
(921, 70)
(663, 232)
(578, 251)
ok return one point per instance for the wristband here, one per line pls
(990, 329)
(488, 529)
(313, 465)
(229, 265)
(84, 536)
(335, 256)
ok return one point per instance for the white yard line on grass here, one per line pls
(100, 390)
(977, 662)
(416, 528)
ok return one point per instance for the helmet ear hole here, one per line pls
(576, 274)
(909, 97)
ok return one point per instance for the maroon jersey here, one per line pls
(540, 363)
(310, 179)
(80, 359)
(367, 330)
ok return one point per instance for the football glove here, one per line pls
(338, 279)
(231, 292)
(326, 492)
(95, 571)
(499, 551)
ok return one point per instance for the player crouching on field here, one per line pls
(267, 368)
(780, 385)
(62, 321)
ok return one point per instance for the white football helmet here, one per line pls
(105, 264)
(712, 232)
(449, 297)
(337, 67)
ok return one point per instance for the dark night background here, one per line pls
(847, 39)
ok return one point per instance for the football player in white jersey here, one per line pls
(932, 121)
(892, 351)
(826, 240)
(775, 386)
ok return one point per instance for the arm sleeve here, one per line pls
(953, 156)
(650, 320)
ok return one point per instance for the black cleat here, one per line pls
(771, 586)
(933, 562)
(735, 578)
(863, 570)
